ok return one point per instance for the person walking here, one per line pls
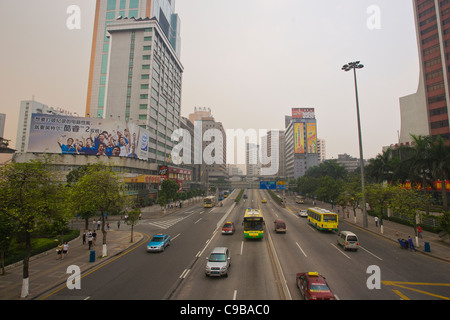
(59, 251)
(90, 239)
(376, 221)
(65, 249)
(84, 237)
(419, 232)
(411, 244)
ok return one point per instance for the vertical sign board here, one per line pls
(299, 138)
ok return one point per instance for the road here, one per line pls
(260, 269)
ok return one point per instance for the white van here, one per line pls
(348, 240)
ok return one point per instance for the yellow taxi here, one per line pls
(264, 200)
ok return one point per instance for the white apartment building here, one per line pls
(143, 82)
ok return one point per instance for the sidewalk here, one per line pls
(46, 272)
(393, 231)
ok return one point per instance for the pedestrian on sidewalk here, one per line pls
(59, 251)
(90, 239)
(118, 224)
(65, 249)
(411, 244)
(419, 232)
(376, 221)
(84, 237)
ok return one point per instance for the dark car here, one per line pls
(228, 228)
(313, 286)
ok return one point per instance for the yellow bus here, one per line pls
(300, 199)
(253, 224)
(322, 219)
(209, 202)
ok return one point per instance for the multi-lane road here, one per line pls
(260, 269)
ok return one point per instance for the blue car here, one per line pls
(158, 243)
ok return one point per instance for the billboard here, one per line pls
(299, 138)
(87, 136)
(303, 113)
(311, 137)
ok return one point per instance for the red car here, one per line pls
(313, 286)
(228, 228)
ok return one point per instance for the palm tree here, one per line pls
(440, 164)
(420, 170)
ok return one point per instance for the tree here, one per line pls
(169, 189)
(351, 194)
(100, 191)
(408, 202)
(440, 165)
(133, 219)
(32, 198)
(379, 196)
(72, 178)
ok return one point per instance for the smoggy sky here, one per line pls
(249, 61)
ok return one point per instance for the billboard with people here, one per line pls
(87, 136)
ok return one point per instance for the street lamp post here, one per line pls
(347, 67)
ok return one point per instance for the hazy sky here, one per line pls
(250, 61)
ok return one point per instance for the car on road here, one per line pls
(348, 240)
(218, 262)
(303, 213)
(280, 226)
(158, 243)
(245, 196)
(313, 286)
(264, 200)
(228, 228)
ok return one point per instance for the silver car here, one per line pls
(218, 262)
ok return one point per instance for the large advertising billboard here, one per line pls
(299, 138)
(303, 113)
(311, 136)
(87, 136)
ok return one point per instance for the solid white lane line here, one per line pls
(234, 294)
(371, 253)
(340, 251)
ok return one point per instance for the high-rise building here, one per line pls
(300, 142)
(426, 112)
(143, 81)
(106, 13)
(216, 171)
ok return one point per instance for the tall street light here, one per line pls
(347, 67)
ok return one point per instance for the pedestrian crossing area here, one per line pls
(165, 224)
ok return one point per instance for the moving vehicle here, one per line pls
(280, 226)
(313, 286)
(218, 262)
(228, 228)
(210, 202)
(264, 200)
(300, 199)
(303, 213)
(158, 243)
(348, 240)
(323, 219)
(253, 224)
(226, 194)
(245, 196)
